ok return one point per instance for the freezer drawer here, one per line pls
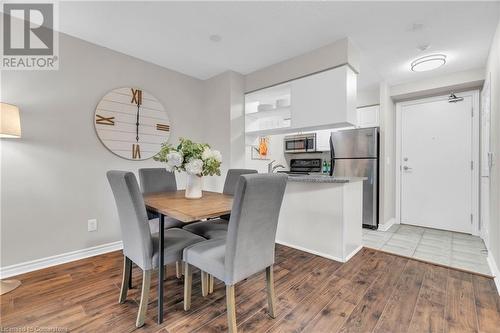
(362, 168)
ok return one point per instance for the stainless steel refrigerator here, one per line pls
(355, 153)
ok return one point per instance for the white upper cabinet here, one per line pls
(368, 116)
(319, 101)
(326, 99)
(267, 111)
(323, 140)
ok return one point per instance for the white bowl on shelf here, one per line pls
(265, 107)
(283, 103)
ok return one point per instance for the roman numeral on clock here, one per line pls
(136, 151)
(162, 127)
(104, 120)
(136, 96)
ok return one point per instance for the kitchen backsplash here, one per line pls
(276, 152)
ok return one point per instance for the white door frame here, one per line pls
(475, 152)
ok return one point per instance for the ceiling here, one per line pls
(253, 35)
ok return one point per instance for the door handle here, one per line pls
(406, 168)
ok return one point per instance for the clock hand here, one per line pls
(137, 124)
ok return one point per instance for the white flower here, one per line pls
(207, 153)
(194, 167)
(174, 159)
(216, 155)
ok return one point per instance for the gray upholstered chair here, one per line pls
(139, 245)
(217, 228)
(154, 180)
(249, 246)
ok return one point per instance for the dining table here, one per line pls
(176, 205)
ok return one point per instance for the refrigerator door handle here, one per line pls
(332, 156)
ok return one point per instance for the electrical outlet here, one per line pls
(92, 225)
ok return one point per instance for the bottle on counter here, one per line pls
(325, 167)
(328, 167)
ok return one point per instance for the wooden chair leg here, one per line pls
(143, 306)
(127, 266)
(231, 309)
(204, 284)
(178, 269)
(270, 291)
(210, 284)
(188, 284)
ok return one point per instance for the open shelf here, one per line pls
(278, 112)
(271, 131)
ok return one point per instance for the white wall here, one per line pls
(237, 115)
(444, 84)
(223, 124)
(276, 152)
(387, 156)
(368, 97)
(215, 123)
(338, 53)
(54, 177)
(493, 69)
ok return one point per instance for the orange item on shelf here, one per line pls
(263, 146)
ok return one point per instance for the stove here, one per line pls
(304, 166)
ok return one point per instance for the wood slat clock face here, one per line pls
(131, 123)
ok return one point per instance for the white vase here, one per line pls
(193, 187)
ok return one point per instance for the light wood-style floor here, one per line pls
(373, 292)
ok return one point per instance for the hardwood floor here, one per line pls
(373, 292)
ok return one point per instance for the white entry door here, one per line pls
(436, 164)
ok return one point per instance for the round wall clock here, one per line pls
(131, 123)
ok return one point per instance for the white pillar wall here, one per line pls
(223, 123)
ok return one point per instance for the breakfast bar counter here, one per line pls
(322, 215)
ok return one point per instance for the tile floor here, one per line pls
(437, 246)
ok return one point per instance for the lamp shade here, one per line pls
(10, 124)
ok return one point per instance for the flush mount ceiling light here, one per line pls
(428, 63)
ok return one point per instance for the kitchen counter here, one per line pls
(322, 215)
(322, 178)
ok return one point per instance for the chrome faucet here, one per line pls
(271, 168)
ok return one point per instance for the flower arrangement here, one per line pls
(194, 158)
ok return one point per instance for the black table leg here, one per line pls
(160, 269)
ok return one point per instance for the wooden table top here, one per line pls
(175, 205)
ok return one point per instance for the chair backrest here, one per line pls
(232, 177)
(137, 242)
(252, 227)
(157, 180)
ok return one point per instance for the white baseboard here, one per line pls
(385, 226)
(37, 264)
(353, 253)
(494, 270)
(327, 256)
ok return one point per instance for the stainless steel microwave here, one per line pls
(300, 143)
